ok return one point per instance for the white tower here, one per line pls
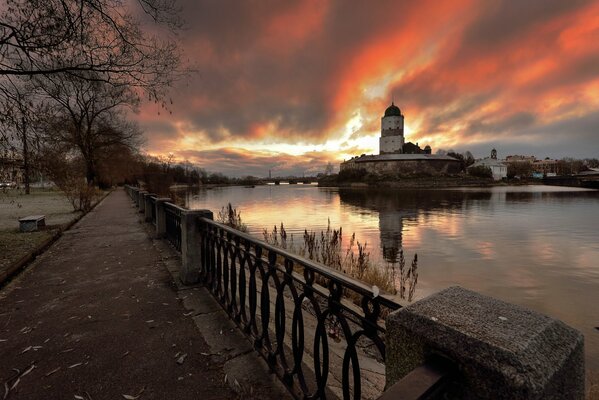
(392, 139)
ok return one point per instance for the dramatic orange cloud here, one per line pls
(296, 84)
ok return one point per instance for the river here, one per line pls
(536, 246)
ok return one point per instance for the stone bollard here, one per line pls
(141, 202)
(191, 252)
(135, 192)
(161, 216)
(501, 351)
(148, 207)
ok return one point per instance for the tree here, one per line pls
(481, 171)
(117, 164)
(458, 157)
(521, 169)
(468, 158)
(328, 169)
(87, 115)
(17, 116)
(90, 39)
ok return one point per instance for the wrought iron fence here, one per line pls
(172, 214)
(317, 315)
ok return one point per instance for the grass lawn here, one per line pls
(14, 204)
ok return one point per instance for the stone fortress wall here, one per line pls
(431, 165)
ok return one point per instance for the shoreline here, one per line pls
(428, 183)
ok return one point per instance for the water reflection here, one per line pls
(397, 208)
(533, 246)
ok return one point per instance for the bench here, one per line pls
(32, 223)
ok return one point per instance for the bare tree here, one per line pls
(76, 37)
(89, 116)
(17, 116)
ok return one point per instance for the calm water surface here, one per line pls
(536, 246)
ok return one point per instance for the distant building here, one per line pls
(397, 157)
(497, 167)
(519, 158)
(546, 167)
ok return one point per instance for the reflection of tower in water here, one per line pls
(391, 231)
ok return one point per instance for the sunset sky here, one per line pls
(291, 85)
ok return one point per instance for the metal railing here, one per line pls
(172, 214)
(318, 302)
(313, 325)
(431, 380)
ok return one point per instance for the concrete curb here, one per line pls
(20, 265)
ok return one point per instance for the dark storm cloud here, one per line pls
(505, 125)
(505, 21)
(249, 75)
(571, 137)
(295, 72)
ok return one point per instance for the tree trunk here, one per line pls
(90, 172)
(26, 167)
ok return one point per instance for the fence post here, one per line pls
(191, 253)
(161, 216)
(501, 351)
(141, 203)
(134, 196)
(148, 207)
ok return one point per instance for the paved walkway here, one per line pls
(97, 317)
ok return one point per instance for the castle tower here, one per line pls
(392, 139)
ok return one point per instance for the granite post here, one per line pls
(500, 350)
(191, 253)
(135, 195)
(141, 203)
(148, 206)
(161, 216)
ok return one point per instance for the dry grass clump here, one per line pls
(228, 215)
(327, 248)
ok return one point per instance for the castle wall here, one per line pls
(405, 167)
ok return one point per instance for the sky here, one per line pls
(289, 86)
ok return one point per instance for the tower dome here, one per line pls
(392, 110)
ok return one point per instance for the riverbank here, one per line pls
(424, 182)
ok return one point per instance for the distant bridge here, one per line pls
(292, 181)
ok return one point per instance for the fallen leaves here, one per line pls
(16, 380)
(180, 356)
(53, 371)
(135, 397)
(34, 348)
